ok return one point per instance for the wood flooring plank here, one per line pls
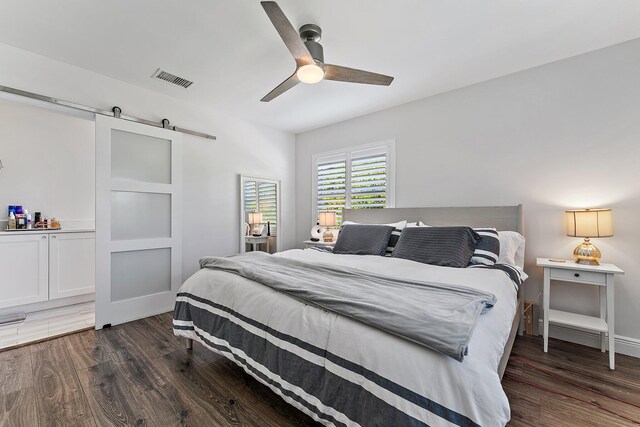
(199, 419)
(86, 350)
(15, 370)
(568, 412)
(47, 344)
(153, 345)
(112, 338)
(525, 406)
(59, 398)
(111, 400)
(163, 325)
(55, 358)
(17, 409)
(210, 395)
(153, 389)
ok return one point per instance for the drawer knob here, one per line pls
(577, 274)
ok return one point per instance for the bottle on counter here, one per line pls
(29, 222)
(21, 221)
(12, 221)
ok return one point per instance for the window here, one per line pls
(262, 197)
(361, 178)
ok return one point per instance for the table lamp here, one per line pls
(327, 219)
(255, 219)
(588, 223)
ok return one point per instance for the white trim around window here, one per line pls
(386, 147)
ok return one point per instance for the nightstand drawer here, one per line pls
(578, 276)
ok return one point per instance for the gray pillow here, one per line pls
(363, 239)
(445, 246)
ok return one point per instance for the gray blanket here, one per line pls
(438, 316)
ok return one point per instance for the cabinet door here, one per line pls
(72, 264)
(24, 264)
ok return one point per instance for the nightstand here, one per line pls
(254, 241)
(310, 243)
(597, 275)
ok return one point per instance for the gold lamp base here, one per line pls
(327, 236)
(587, 253)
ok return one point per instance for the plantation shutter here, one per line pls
(332, 186)
(357, 179)
(267, 203)
(369, 181)
(262, 197)
(250, 197)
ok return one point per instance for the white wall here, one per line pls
(211, 168)
(563, 135)
(36, 148)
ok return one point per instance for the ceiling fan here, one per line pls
(309, 56)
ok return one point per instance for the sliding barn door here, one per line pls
(138, 220)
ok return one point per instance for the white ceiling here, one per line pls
(234, 55)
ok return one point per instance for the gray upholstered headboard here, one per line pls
(503, 218)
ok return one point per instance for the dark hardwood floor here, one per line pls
(570, 386)
(140, 374)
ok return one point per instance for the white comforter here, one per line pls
(471, 388)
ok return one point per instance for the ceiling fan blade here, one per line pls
(351, 75)
(282, 88)
(289, 35)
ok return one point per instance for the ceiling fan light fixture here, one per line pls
(305, 49)
(310, 73)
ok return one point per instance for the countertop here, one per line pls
(44, 231)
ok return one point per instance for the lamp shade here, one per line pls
(255, 217)
(327, 219)
(589, 223)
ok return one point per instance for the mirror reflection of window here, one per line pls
(260, 209)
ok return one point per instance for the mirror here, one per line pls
(259, 214)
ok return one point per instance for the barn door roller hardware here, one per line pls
(115, 111)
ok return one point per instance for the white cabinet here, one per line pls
(24, 272)
(72, 268)
(36, 267)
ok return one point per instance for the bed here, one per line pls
(344, 372)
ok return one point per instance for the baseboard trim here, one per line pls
(624, 345)
(49, 304)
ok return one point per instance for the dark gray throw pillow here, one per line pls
(363, 239)
(445, 246)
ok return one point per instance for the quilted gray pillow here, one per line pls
(445, 246)
(363, 239)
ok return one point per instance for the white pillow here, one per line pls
(511, 248)
(417, 224)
